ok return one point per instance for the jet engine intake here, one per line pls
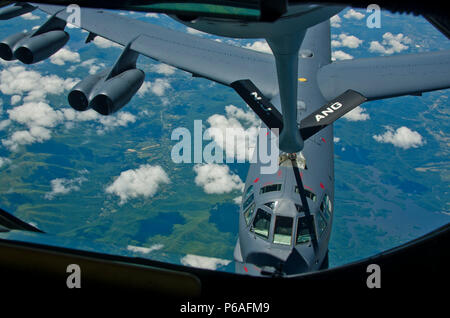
(37, 48)
(113, 94)
(106, 95)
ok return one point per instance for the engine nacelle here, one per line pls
(15, 10)
(106, 96)
(39, 47)
(80, 94)
(116, 92)
(8, 45)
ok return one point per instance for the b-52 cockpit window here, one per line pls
(270, 188)
(261, 223)
(303, 233)
(249, 213)
(283, 230)
(308, 194)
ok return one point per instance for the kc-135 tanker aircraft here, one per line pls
(286, 217)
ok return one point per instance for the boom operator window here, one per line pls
(261, 223)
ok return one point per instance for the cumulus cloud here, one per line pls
(164, 69)
(16, 80)
(40, 117)
(203, 262)
(335, 21)
(391, 44)
(349, 41)
(336, 139)
(158, 87)
(105, 43)
(357, 114)
(15, 99)
(144, 250)
(92, 64)
(403, 138)
(152, 15)
(236, 133)
(353, 14)
(35, 114)
(143, 181)
(194, 31)
(4, 123)
(260, 46)
(26, 137)
(65, 55)
(62, 186)
(238, 200)
(340, 55)
(4, 161)
(217, 179)
(30, 16)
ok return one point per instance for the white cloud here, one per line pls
(335, 21)
(357, 114)
(144, 250)
(4, 123)
(30, 16)
(194, 31)
(120, 119)
(36, 114)
(340, 55)
(15, 99)
(336, 139)
(203, 262)
(93, 65)
(403, 137)
(345, 40)
(62, 186)
(260, 46)
(143, 181)
(164, 69)
(238, 200)
(353, 14)
(26, 137)
(391, 44)
(4, 161)
(65, 55)
(16, 80)
(158, 87)
(229, 132)
(152, 15)
(217, 179)
(105, 43)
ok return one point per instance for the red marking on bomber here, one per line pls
(279, 173)
(309, 188)
(256, 180)
(245, 269)
(323, 139)
(322, 186)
